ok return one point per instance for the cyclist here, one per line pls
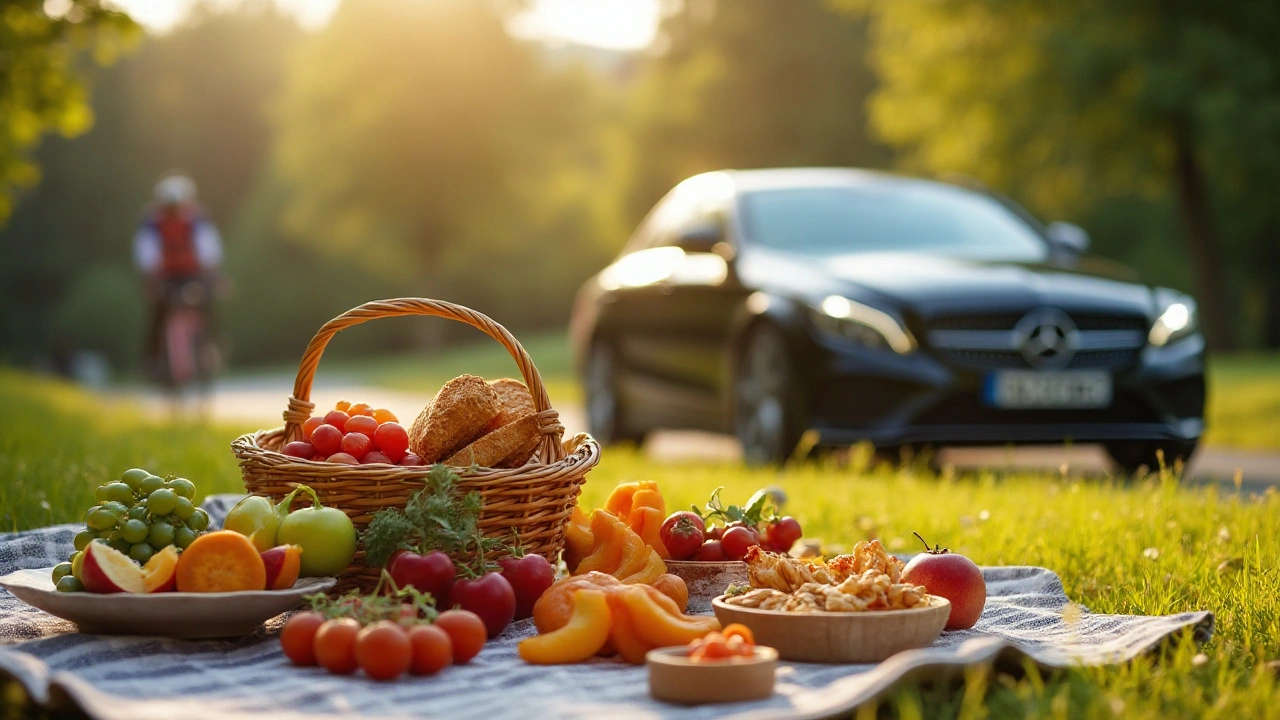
(178, 250)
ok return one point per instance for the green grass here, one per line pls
(1243, 411)
(1244, 402)
(56, 443)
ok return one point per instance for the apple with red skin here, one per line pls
(107, 570)
(682, 534)
(954, 577)
(530, 576)
(431, 573)
(283, 563)
(490, 596)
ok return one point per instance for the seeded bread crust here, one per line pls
(458, 414)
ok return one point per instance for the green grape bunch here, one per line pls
(138, 515)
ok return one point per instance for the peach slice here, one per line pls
(283, 563)
(107, 570)
(160, 574)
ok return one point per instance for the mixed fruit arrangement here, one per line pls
(140, 519)
(715, 533)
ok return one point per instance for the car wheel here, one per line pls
(766, 417)
(605, 420)
(1132, 457)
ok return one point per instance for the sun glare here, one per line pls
(613, 24)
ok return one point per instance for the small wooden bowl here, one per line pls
(841, 637)
(673, 677)
(707, 580)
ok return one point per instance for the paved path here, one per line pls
(257, 402)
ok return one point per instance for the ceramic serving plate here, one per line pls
(673, 677)
(171, 614)
(841, 637)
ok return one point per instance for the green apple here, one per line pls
(255, 518)
(326, 535)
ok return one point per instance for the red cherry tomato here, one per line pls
(383, 651)
(489, 596)
(682, 534)
(335, 645)
(356, 444)
(432, 649)
(431, 573)
(362, 424)
(310, 426)
(736, 541)
(375, 457)
(784, 533)
(338, 419)
(327, 440)
(711, 551)
(466, 631)
(299, 449)
(343, 458)
(530, 576)
(410, 460)
(392, 439)
(715, 532)
(298, 636)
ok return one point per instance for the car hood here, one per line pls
(929, 286)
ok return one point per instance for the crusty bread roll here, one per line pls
(518, 438)
(514, 402)
(459, 413)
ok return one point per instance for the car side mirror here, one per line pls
(1069, 236)
(699, 238)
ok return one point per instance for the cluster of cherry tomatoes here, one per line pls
(722, 532)
(354, 434)
(384, 649)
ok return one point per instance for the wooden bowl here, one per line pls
(841, 637)
(673, 677)
(707, 580)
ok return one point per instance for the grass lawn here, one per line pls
(1243, 412)
(1153, 547)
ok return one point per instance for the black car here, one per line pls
(869, 306)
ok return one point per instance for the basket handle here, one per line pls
(300, 405)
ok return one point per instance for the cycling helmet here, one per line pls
(175, 189)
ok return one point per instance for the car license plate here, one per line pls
(1044, 389)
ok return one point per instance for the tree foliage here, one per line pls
(752, 83)
(41, 88)
(1070, 105)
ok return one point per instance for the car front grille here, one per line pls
(991, 342)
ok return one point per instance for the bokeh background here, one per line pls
(497, 153)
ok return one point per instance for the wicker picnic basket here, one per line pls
(535, 500)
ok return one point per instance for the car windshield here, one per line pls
(911, 218)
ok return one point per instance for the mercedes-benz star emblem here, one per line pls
(1048, 338)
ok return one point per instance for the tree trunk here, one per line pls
(1268, 261)
(1202, 240)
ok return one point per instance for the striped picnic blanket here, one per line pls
(1027, 615)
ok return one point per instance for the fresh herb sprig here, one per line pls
(438, 517)
(757, 511)
(386, 602)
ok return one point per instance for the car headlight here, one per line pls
(863, 324)
(1176, 322)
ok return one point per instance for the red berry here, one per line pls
(356, 444)
(299, 449)
(392, 439)
(310, 426)
(338, 419)
(327, 440)
(361, 424)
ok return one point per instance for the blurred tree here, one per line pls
(197, 98)
(41, 89)
(1068, 104)
(420, 141)
(749, 83)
